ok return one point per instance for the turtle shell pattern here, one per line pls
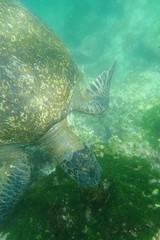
(37, 76)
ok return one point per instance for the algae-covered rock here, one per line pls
(151, 125)
(124, 206)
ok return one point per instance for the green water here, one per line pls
(125, 139)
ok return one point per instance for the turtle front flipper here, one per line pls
(71, 154)
(95, 98)
(14, 175)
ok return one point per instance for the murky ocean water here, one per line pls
(125, 139)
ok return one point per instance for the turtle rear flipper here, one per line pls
(14, 176)
(95, 98)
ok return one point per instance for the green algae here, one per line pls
(151, 125)
(123, 206)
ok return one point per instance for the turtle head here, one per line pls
(83, 167)
(71, 154)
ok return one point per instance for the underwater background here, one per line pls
(125, 139)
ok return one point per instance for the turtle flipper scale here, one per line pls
(95, 98)
(14, 176)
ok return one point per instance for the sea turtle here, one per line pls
(37, 92)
